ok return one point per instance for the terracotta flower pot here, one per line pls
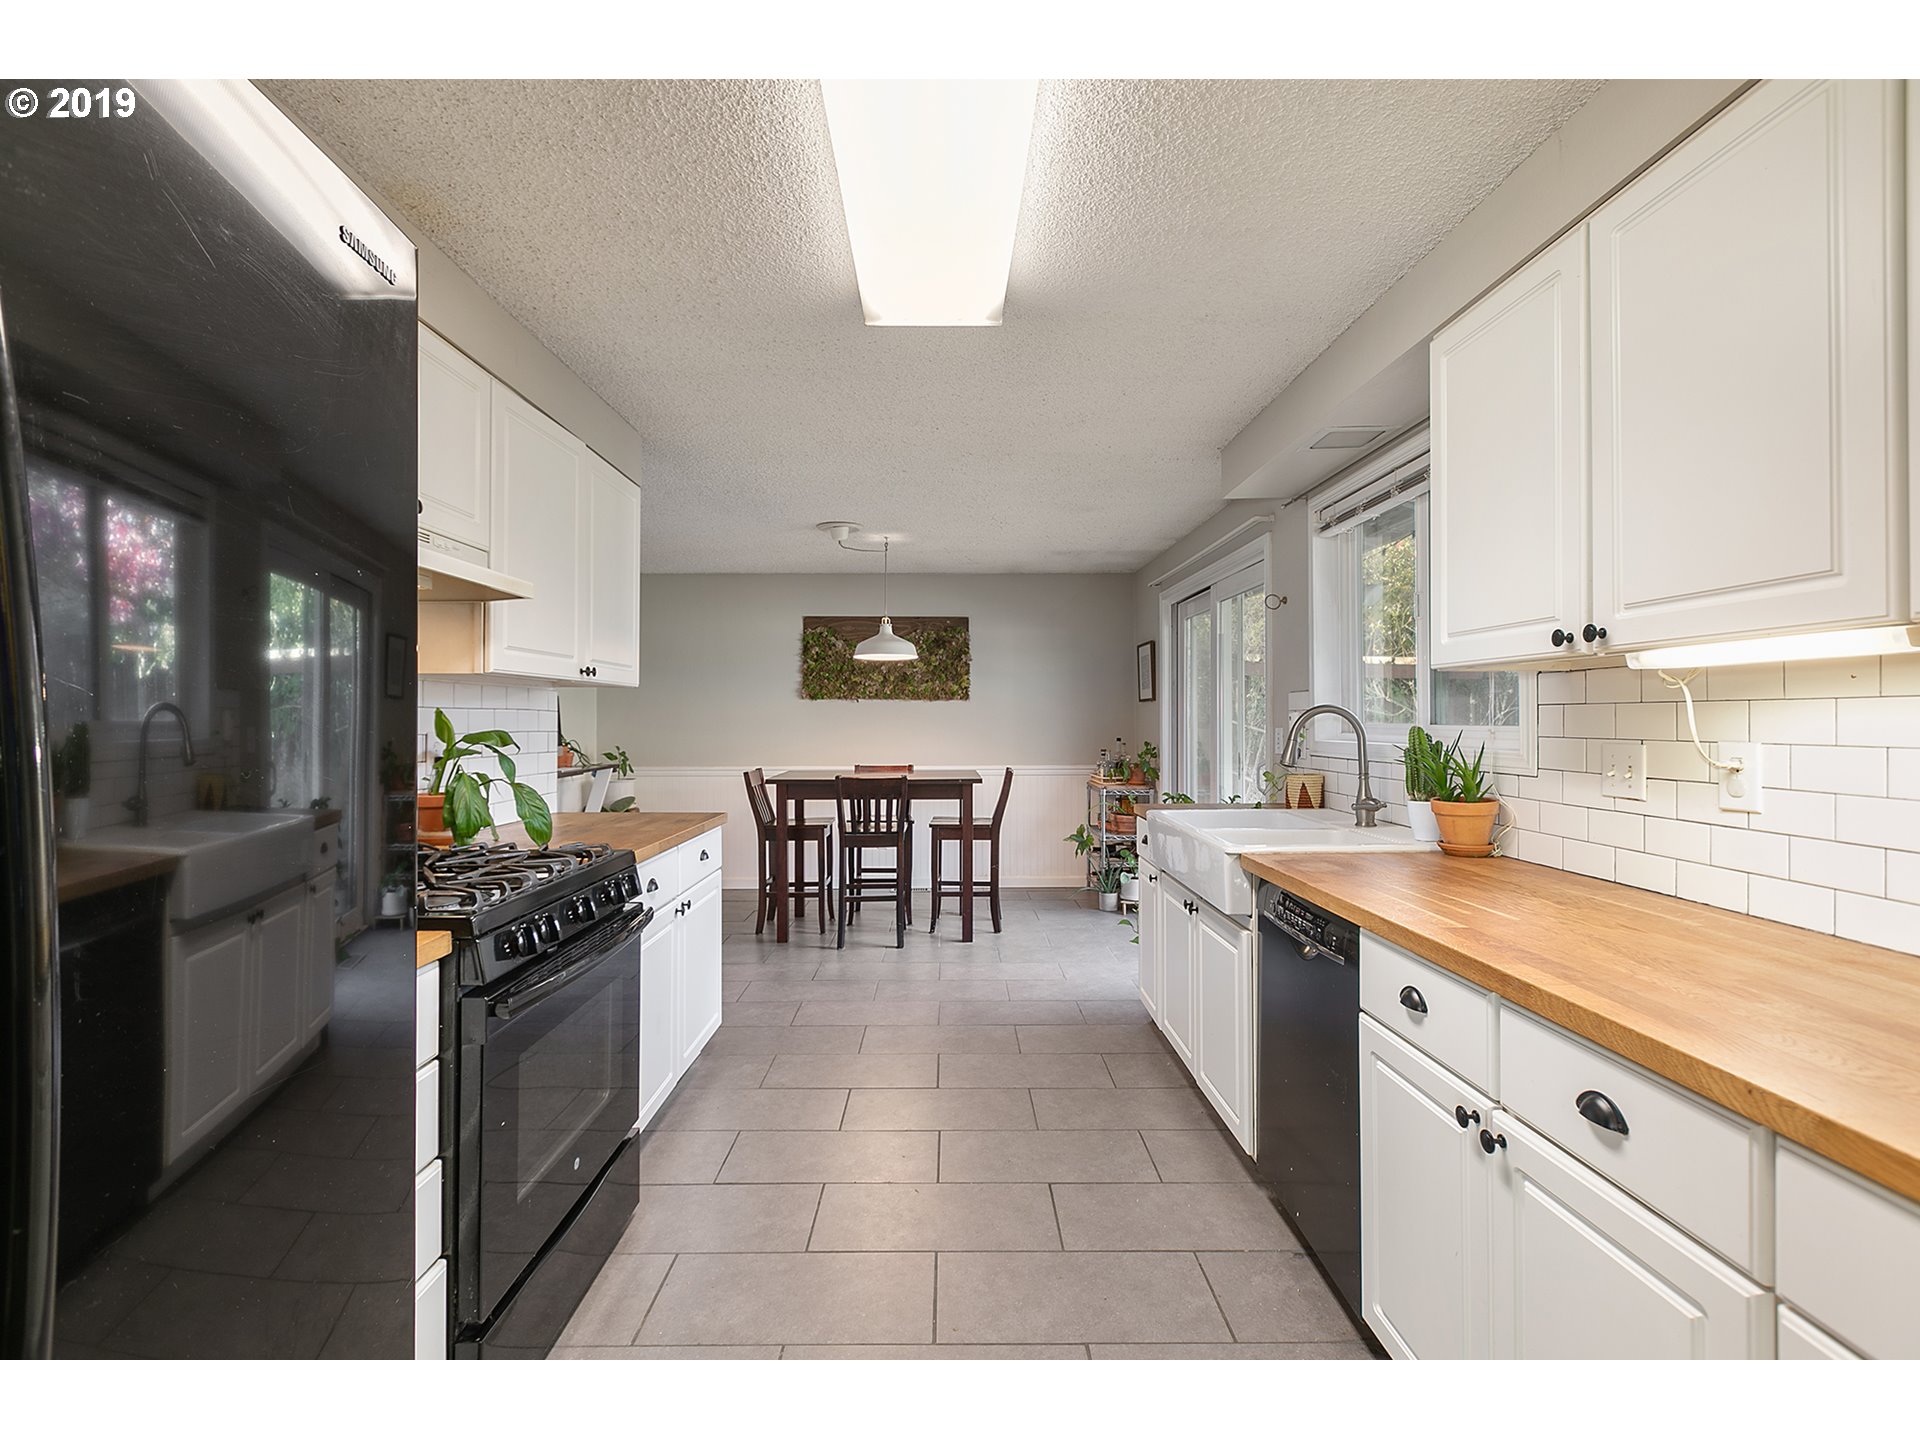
(1136, 776)
(1466, 827)
(430, 824)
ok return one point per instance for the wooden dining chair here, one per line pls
(815, 834)
(947, 827)
(873, 812)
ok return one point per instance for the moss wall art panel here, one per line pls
(828, 670)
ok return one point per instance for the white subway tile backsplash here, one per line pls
(1647, 722)
(1794, 812)
(1903, 774)
(1825, 678)
(1726, 889)
(1591, 721)
(1532, 846)
(1900, 674)
(1562, 754)
(1744, 682)
(1792, 722)
(1881, 720)
(1868, 820)
(1585, 859)
(1878, 922)
(1716, 719)
(1750, 850)
(1563, 687)
(1903, 876)
(1609, 827)
(1699, 801)
(1613, 684)
(1583, 788)
(1547, 784)
(1674, 760)
(1679, 839)
(1840, 769)
(1860, 868)
(1644, 872)
(1808, 906)
(1564, 820)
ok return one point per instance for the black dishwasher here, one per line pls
(1308, 1150)
(112, 1027)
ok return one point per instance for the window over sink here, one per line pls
(1370, 585)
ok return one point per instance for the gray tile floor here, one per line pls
(949, 1151)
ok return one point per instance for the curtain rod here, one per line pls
(1197, 561)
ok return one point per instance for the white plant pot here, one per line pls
(74, 813)
(627, 789)
(571, 793)
(1420, 820)
(1130, 889)
(1109, 900)
(393, 904)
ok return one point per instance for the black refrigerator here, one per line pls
(207, 482)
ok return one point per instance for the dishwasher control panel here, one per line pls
(1305, 922)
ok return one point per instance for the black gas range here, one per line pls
(540, 1027)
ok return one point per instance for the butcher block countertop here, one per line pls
(82, 872)
(431, 945)
(1815, 1038)
(646, 833)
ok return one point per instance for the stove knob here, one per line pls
(509, 945)
(524, 940)
(570, 912)
(630, 885)
(586, 909)
(547, 928)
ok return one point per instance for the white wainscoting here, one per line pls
(1048, 801)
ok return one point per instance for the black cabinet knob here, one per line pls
(1413, 1000)
(1599, 1110)
(1491, 1142)
(1562, 637)
(1465, 1118)
(1593, 632)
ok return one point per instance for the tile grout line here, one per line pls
(1235, 1339)
(1054, 1201)
(659, 1290)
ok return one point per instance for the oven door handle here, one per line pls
(609, 941)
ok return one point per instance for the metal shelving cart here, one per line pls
(1103, 798)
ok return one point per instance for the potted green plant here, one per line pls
(73, 781)
(1106, 883)
(1083, 841)
(621, 789)
(1129, 864)
(1424, 764)
(1146, 765)
(1466, 811)
(393, 893)
(457, 804)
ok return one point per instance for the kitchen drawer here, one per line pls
(1848, 1254)
(426, 1012)
(660, 878)
(426, 1218)
(1801, 1339)
(323, 853)
(1701, 1167)
(430, 1314)
(426, 1114)
(1457, 1026)
(699, 858)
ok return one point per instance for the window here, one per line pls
(1220, 687)
(115, 576)
(1370, 655)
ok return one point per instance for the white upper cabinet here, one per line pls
(612, 544)
(540, 508)
(1745, 349)
(456, 439)
(1509, 476)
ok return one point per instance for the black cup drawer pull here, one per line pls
(1413, 1000)
(1598, 1109)
(703, 854)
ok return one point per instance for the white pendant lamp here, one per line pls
(886, 647)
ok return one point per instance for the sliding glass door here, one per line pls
(1220, 689)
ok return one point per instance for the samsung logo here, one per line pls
(380, 267)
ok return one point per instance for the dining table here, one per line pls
(792, 789)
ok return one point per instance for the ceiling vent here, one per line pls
(1347, 437)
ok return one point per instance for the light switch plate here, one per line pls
(1623, 771)
(1739, 790)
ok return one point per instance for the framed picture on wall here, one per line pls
(396, 676)
(1143, 663)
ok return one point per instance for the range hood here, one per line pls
(444, 577)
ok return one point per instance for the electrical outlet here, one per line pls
(1739, 789)
(1623, 773)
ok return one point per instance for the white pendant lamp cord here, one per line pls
(886, 566)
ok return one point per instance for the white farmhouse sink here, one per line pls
(223, 856)
(1202, 848)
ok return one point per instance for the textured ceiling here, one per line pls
(1185, 249)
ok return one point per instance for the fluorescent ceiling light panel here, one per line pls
(931, 173)
(1767, 649)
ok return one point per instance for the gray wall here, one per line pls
(720, 674)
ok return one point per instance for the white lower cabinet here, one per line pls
(1147, 919)
(680, 984)
(1223, 1020)
(430, 1314)
(1800, 1339)
(279, 969)
(1848, 1254)
(1425, 1192)
(696, 969)
(207, 1016)
(658, 1057)
(1175, 925)
(1582, 1271)
(316, 983)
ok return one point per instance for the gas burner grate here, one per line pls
(473, 878)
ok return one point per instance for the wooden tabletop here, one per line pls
(943, 777)
(81, 871)
(1818, 1039)
(431, 945)
(646, 833)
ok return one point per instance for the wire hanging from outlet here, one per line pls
(1680, 683)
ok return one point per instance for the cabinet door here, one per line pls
(1148, 919)
(659, 1056)
(317, 983)
(612, 549)
(456, 489)
(1743, 431)
(1509, 479)
(1176, 968)
(697, 962)
(1425, 1184)
(1223, 1021)
(207, 1071)
(281, 969)
(539, 511)
(1582, 1271)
